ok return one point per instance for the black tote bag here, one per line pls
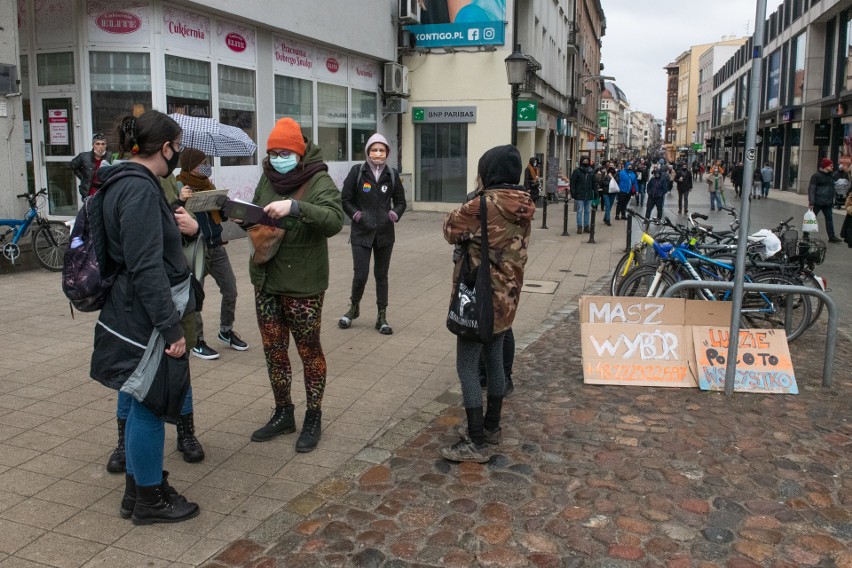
(471, 313)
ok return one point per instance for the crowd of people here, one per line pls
(160, 253)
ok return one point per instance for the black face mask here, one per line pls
(172, 162)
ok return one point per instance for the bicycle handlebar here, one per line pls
(42, 192)
(694, 216)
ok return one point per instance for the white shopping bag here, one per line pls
(809, 223)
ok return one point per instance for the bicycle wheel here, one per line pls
(640, 282)
(50, 241)
(767, 310)
(626, 263)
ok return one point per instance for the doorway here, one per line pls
(441, 162)
(56, 117)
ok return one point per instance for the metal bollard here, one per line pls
(592, 225)
(629, 233)
(565, 219)
(544, 214)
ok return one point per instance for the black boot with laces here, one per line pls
(187, 443)
(282, 422)
(311, 431)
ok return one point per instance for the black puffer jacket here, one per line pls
(683, 178)
(374, 199)
(821, 189)
(583, 184)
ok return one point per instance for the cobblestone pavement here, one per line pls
(595, 476)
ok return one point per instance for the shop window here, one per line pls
(331, 117)
(797, 70)
(237, 107)
(120, 86)
(187, 86)
(294, 98)
(441, 162)
(363, 121)
(55, 69)
(28, 121)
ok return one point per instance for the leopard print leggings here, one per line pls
(277, 318)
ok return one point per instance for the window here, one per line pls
(294, 98)
(188, 86)
(363, 121)
(797, 69)
(441, 162)
(828, 76)
(726, 115)
(237, 107)
(845, 53)
(773, 80)
(55, 69)
(121, 86)
(331, 117)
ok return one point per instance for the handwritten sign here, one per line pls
(763, 364)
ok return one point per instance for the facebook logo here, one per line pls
(473, 34)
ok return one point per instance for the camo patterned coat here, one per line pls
(510, 211)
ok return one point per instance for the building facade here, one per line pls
(670, 120)
(805, 94)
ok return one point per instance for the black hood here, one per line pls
(500, 165)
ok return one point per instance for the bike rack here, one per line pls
(831, 333)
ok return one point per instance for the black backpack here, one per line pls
(85, 282)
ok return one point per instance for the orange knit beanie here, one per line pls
(286, 135)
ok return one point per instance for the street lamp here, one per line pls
(516, 70)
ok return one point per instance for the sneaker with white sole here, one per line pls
(204, 351)
(233, 340)
(466, 451)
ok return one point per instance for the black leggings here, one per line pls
(361, 267)
(508, 356)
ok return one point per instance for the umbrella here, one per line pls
(212, 137)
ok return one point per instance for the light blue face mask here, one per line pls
(205, 169)
(284, 165)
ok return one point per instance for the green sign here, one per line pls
(697, 148)
(418, 114)
(603, 119)
(527, 111)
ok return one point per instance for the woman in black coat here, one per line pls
(373, 197)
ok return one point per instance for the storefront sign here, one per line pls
(603, 119)
(454, 114)
(330, 65)
(112, 21)
(477, 23)
(292, 58)
(57, 120)
(773, 87)
(776, 137)
(186, 31)
(235, 42)
(363, 73)
(527, 114)
(822, 134)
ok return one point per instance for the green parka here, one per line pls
(300, 268)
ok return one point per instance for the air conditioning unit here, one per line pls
(396, 79)
(395, 106)
(409, 11)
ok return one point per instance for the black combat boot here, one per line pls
(382, 322)
(282, 422)
(129, 499)
(311, 431)
(352, 314)
(118, 460)
(187, 443)
(157, 505)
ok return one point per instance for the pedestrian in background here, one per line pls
(85, 165)
(756, 184)
(642, 179)
(583, 189)
(715, 183)
(290, 287)
(846, 230)
(821, 196)
(195, 176)
(737, 178)
(684, 186)
(532, 180)
(374, 198)
(767, 175)
(139, 344)
(509, 214)
(627, 185)
(657, 189)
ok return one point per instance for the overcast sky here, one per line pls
(643, 37)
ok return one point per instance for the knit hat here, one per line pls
(190, 158)
(499, 166)
(825, 163)
(286, 135)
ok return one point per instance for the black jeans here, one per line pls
(361, 266)
(659, 203)
(683, 201)
(621, 206)
(827, 212)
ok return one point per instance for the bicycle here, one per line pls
(759, 309)
(50, 238)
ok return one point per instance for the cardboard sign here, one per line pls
(644, 341)
(763, 364)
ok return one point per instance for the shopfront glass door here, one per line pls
(57, 149)
(441, 154)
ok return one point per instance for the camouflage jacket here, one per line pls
(510, 211)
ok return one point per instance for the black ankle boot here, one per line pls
(187, 443)
(129, 499)
(157, 505)
(382, 322)
(118, 461)
(348, 317)
(311, 431)
(282, 422)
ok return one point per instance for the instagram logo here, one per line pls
(488, 33)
